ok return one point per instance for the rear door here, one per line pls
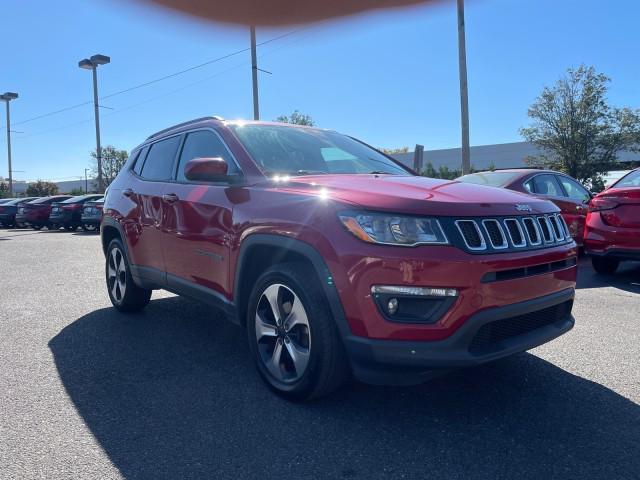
(577, 198)
(146, 190)
(198, 220)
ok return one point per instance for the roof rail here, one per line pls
(184, 124)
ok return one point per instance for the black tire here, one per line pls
(37, 227)
(327, 366)
(70, 228)
(126, 296)
(604, 265)
(89, 227)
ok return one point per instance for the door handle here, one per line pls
(170, 197)
(127, 192)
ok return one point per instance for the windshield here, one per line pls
(631, 180)
(304, 151)
(491, 179)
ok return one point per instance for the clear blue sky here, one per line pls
(390, 78)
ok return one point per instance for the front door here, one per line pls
(146, 193)
(198, 221)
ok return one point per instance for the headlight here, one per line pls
(394, 229)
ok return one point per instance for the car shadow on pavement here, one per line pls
(626, 278)
(172, 393)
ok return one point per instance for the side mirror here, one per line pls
(208, 169)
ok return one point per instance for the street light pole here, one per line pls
(7, 97)
(86, 181)
(254, 73)
(464, 93)
(92, 64)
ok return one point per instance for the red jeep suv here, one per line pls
(335, 258)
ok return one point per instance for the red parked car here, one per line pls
(335, 258)
(612, 233)
(567, 193)
(36, 213)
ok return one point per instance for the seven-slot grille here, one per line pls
(513, 233)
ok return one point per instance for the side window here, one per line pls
(204, 143)
(159, 163)
(574, 190)
(528, 186)
(142, 154)
(547, 185)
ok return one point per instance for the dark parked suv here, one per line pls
(92, 215)
(68, 213)
(336, 259)
(9, 209)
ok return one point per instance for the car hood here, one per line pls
(418, 195)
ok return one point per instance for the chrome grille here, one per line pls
(533, 232)
(471, 234)
(496, 234)
(516, 234)
(545, 229)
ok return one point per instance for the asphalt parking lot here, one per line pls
(86, 392)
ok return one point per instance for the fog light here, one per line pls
(414, 291)
(392, 306)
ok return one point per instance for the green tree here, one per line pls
(430, 171)
(77, 191)
(112, 162)
(4, 189)
(296, 118)
(393, 151)
(576, 129)
(41, 188)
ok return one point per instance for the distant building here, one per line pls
(20, 186)
(502, 155)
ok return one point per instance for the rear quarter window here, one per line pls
(139, 160)
(159, 163)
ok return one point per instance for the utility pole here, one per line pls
(254, 73)
(464, 93)
(7, 97)
(92, 64)
(86, 181)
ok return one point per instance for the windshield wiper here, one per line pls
(310, 172)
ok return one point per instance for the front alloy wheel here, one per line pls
(124, 294)
(282, 333)
(292, 335)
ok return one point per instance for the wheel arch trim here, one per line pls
(303, 249)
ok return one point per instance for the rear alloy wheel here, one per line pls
(124, 294)
(295, 342)
(604, 265)
(89, 227)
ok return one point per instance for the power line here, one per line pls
(157, 97)
(156, 80)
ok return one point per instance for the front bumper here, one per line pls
(7, 218)
(91, 220)
(63, 219)
(488, 335)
